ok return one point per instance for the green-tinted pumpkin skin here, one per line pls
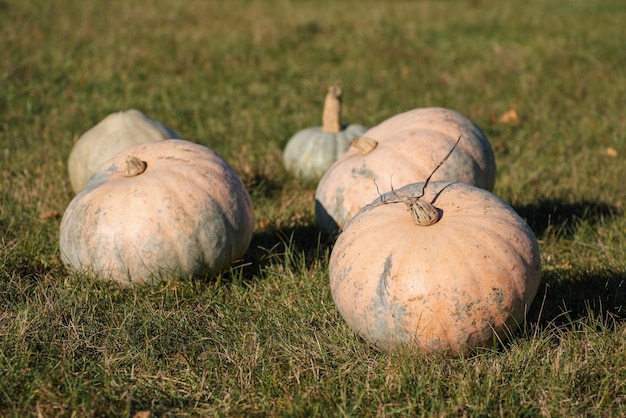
(187, 214)
(449, 288)
(310, 152)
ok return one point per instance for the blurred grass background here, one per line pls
(243, 76)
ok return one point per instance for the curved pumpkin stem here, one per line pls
(331, 115)
(440, 164)
(423, 212)
(134, 166)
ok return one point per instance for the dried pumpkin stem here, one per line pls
(134, 166)
(364, 144)
(423, 212)
(331, 115)
(439, 165)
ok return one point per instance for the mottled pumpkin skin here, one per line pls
(446, 288)
(310, 152)
(188, 213)
(111, 135)
(410, 145)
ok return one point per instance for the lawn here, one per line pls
(264, 338)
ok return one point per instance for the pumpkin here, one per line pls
(403, 149)
(165, 207)
(111, 135)
(310, 152)
(445, 273)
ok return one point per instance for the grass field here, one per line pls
(265, 339)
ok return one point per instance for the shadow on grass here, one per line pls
(289, 247)
(564, 216)
(567, 296)
(564, 297)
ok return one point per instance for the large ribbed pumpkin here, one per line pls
(403, 149)
(447, 273)
(111, 135)
(310, 152)
(160, 208)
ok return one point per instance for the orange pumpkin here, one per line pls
(402, 150)
(446, 273)
(166, 207)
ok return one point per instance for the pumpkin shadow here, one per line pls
(292, 247)
(563, 217)
(567, 296)
(325, 218)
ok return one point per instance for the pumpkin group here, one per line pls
(310, 152)
(403, 149)
(447, 272)
(111, 135)
(165, 207)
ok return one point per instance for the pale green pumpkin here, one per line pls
(310, 152)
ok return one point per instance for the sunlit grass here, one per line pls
(264, 338)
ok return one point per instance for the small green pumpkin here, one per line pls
(111, 135)
(311, 151)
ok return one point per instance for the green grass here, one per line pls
(265, 338)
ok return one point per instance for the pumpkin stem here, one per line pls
(134, 166)
(423, 212)
(439, 165)
(364, 144)
(331, 116)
